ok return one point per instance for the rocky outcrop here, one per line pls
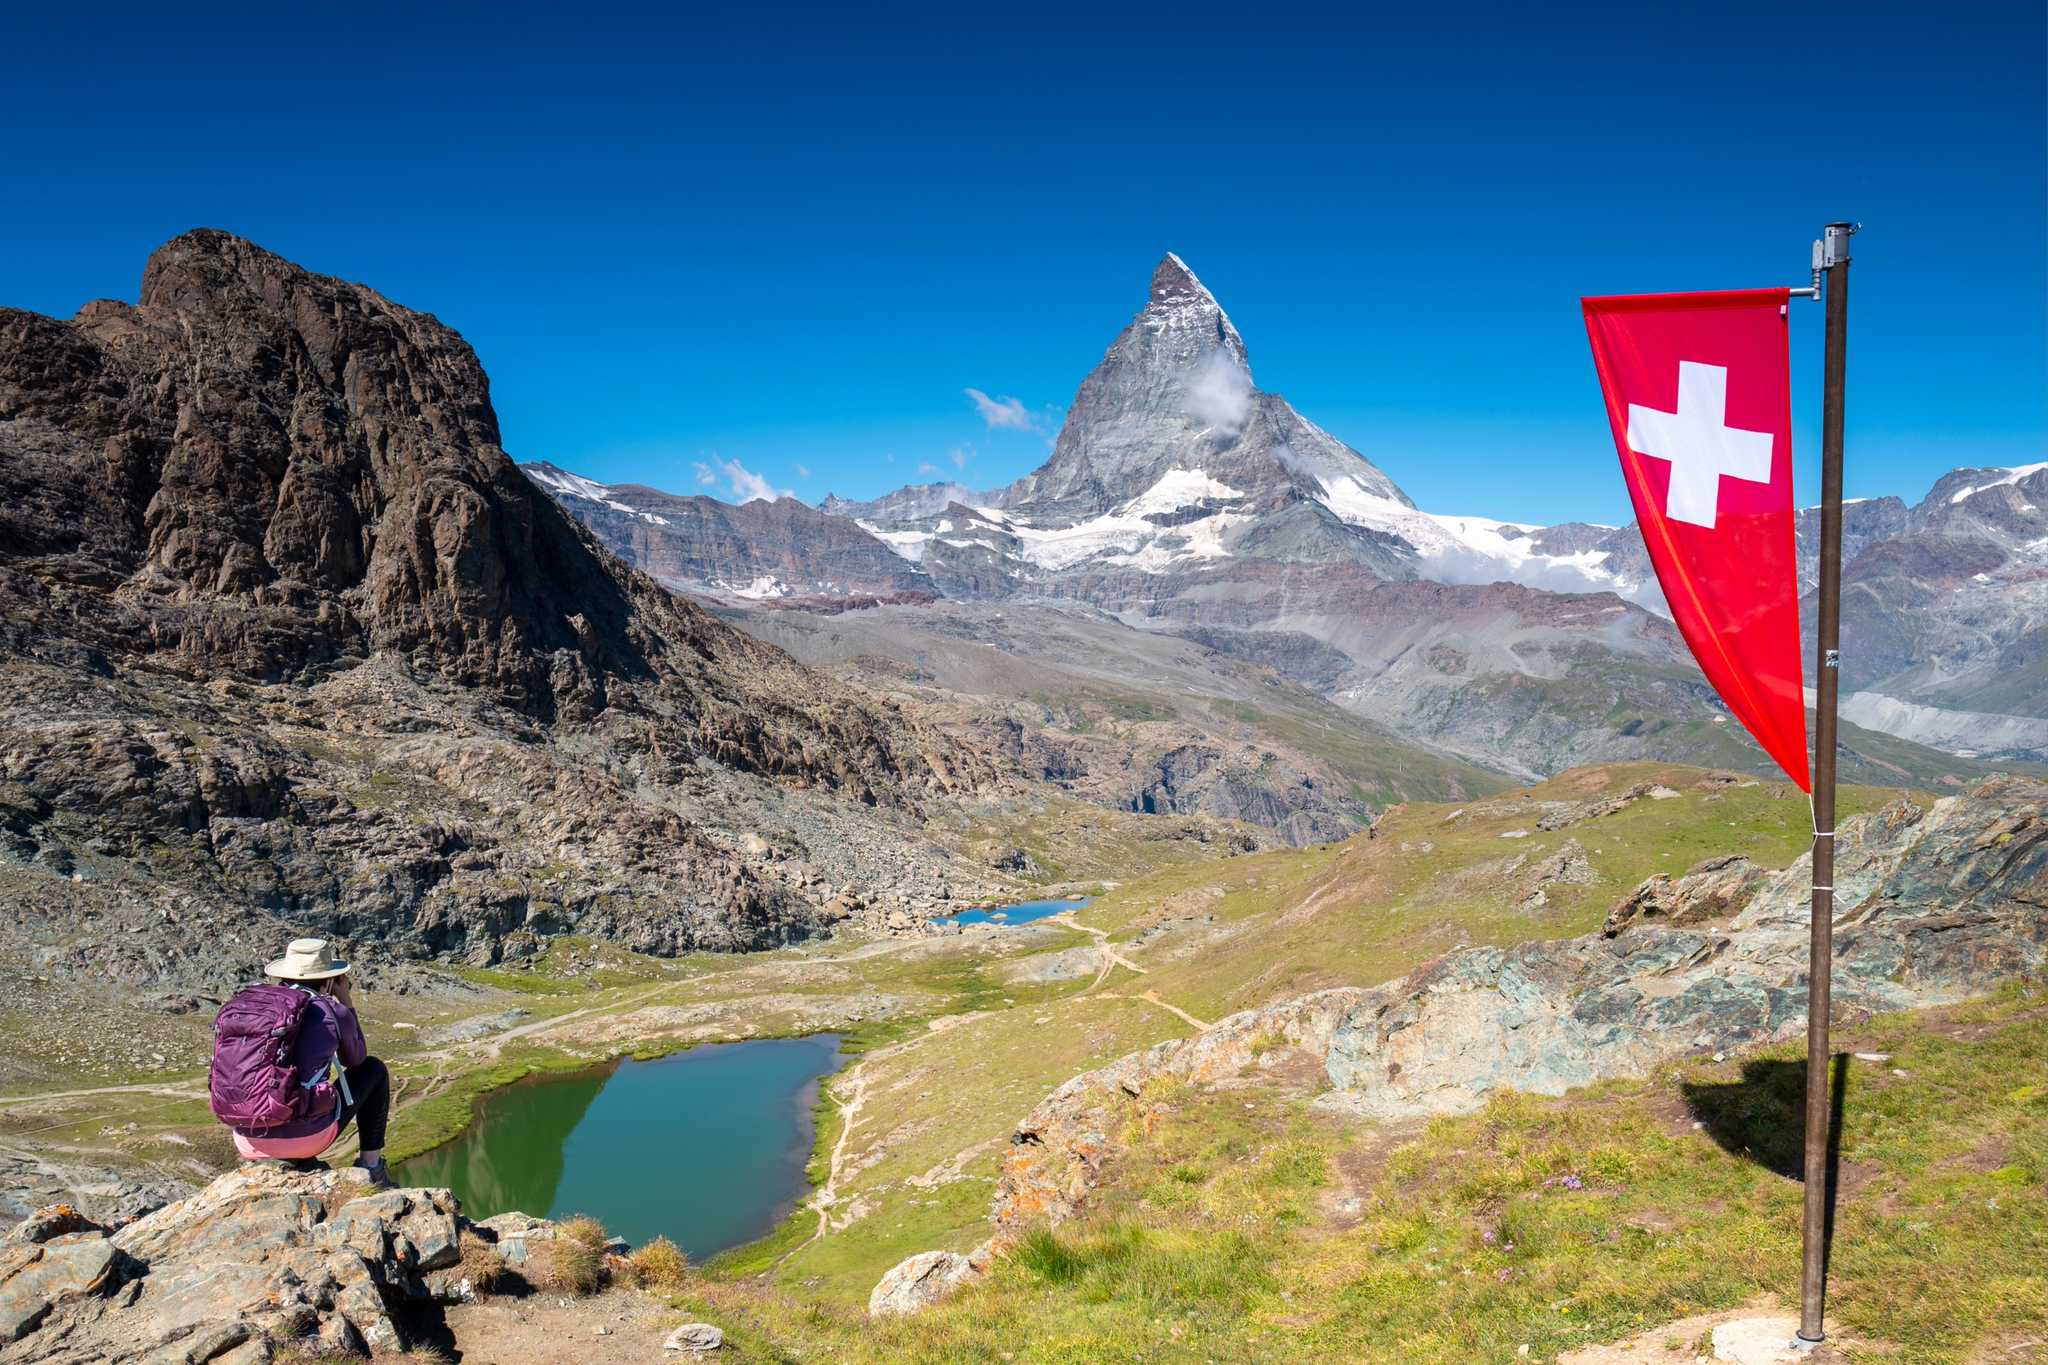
(1933, 907)
(259, 1258)
(294, 645)
(1713, 888)
(1259, 788)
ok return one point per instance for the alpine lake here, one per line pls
(707, 1147)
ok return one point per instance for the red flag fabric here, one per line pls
(1699, 392)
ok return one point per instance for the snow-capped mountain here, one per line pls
(776, 551)
(1183, 498)
(1171, 459)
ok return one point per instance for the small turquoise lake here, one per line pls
(1022, 913)
(707, 1147)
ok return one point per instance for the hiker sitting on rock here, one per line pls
(291, 1069)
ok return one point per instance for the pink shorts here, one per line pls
(286, 1149)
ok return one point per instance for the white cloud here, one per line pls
(746, 485)
(961, 455)
(1002, 412)
(927, 467)
(803, 471)
(1220, 394)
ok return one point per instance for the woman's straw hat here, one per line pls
(306, 959)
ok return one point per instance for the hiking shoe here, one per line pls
(376, 1172)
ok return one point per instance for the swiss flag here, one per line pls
(1699, 393)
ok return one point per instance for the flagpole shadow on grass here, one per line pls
(1761, 1118)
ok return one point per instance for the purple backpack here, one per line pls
(254, 1081)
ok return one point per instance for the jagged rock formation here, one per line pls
(777, 551)
(1713, 888)
(907, 503)
(294, 644)
(1934, 906)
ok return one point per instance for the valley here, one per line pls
(955, 1038)
(1164, 908)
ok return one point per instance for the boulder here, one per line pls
(920, 1281)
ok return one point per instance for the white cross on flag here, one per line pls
(1699, 393)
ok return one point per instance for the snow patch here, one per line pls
(908, 544)
(759, 589)
(2013, 475)
(1462, 549)
(576, 486)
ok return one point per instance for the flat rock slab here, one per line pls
(1761, 1341)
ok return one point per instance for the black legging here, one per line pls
(369, 1088)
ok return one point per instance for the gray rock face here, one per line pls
(907, 504)
(1933, 909)
(1175, 392)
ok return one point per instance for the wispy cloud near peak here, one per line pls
(746, 485)
(1002, 412)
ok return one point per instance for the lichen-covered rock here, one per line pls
(37, 1277)
(262, 1254)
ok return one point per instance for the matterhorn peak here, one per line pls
(1185, 316)
(1172, 279)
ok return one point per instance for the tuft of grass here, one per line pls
(661, 1265)
(1046, 1255)
(566, 1266)
(581, 1227)
(483, 1265)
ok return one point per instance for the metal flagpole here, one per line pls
(1832, 256)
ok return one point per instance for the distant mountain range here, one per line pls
(1182, 498)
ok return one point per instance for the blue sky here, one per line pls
(792, 239)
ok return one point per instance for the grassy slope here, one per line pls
(1286, 922)
(1244, 1226)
